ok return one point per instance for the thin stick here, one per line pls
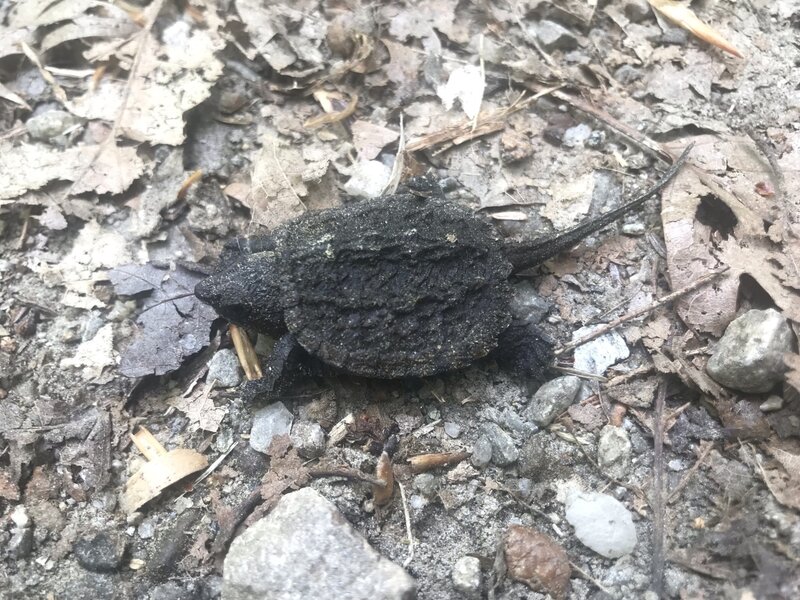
(642, 311)
(245, 352)
(588, 577)
(346, 473)
(410, 534)
(657, 568)
(705, 449)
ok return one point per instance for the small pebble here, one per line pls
(368, 179)
(602, 523)
(772, 404)
(224, 368)
(552, 399)
(553, 36)
(308, 438)
(50, 124)
(426, 484)
(749, 356)
(504, 452)
(614, 451)
(102, 552)
(268, 423)
(481, 452)
(467, 577)
(452, 429)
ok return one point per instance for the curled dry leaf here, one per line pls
(683, 16)
(428, 462)
(161, 470)
(382, 495)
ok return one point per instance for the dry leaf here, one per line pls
(32, 166)
(171, 79)
(369, 139)
(784, 483)
(684, 16)
(467, 84)
(161, 470)
(277, 184)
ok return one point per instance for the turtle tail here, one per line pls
(529, 253)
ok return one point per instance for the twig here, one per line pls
(588, 577)
(410, 534)
(637, 313)
(657, 568)
(705, 449)
(347, 473)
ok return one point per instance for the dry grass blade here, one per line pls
(683, 16)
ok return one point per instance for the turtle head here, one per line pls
(246, 292)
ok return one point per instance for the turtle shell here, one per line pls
(394, 287)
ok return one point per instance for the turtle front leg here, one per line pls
(526, 352)
(282, 369)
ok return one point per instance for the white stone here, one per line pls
(602, 523)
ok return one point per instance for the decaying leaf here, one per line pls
(32, 166)
(171, 327)
(784, 480)
(161, 470)
(467, 84)
(706, 226)
(277, 184)
(172, 78)
(199, 408)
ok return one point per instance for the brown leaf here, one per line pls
(784, 480)
(537, 561)
(684, 17)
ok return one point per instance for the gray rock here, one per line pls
(467, 577)
(50, 124)
(102, 553)
(306, 549)
(481, 452)
(146, 529)
(602, 523)
(309, 439)
(426, 484)
(21, 543)
(576, 136)
(614, 451)
(504, 452)
(637, 10)
(224, 367)
(553, 36)
(772, 403)
(368, 179)
(597, 355)
(627, 74)
(269, 422)
(553, 398)
(749, 356)
(453, 430)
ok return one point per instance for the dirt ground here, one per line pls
(135, 139)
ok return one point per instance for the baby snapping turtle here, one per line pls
(405, 285)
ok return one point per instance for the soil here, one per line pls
(85, 360)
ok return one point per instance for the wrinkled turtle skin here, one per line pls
(405, 285)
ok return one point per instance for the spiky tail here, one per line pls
(526, 254)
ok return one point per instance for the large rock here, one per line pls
(306, 549)
(749, 357)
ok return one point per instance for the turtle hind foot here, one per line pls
(526, 352)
